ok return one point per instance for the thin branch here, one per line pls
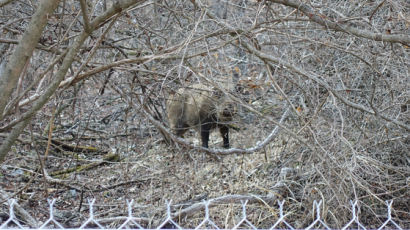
(316, 79)
(36, 95)
(326, 21)
(5, 2)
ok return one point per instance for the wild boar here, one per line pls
(202, 108)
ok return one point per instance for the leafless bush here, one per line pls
(322, 88)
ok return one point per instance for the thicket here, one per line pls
(321, 87)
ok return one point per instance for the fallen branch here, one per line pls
(76, 148)
(110, 157)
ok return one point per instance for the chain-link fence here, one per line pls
(130, 221)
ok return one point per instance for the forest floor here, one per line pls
(114, 155)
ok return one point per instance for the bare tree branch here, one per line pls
(5, 2)
(316, 78)
(85, 16)
(68, 59)
(10, 74)
(338, 26)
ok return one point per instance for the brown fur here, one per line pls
(200, 108)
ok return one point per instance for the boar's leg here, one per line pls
(205, 131)
(225, 135)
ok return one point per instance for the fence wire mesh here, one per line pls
(170, 221)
